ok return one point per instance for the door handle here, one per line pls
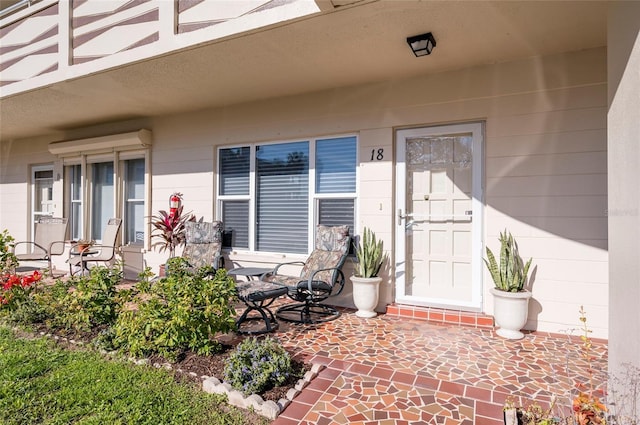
(467, 215)
(400, 216)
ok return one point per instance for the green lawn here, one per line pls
(41, 383)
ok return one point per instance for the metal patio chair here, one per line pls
(48, 241)
(203, 244)
(104, 252)
(321, 277)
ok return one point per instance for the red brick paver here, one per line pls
(395, 370)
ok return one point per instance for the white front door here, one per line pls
(439, 199)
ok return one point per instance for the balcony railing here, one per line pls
(45, 41)
(17, 5)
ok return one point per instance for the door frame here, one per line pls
(32, 195)
(477, 204)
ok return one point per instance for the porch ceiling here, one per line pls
(338, 47)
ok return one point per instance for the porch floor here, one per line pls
(397, 370)
(400, 369)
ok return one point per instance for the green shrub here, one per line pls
(28, 312)
(50, 299)
(8, 261)
(179, 312)
(258, 365)
(105, 339)
(82, 302)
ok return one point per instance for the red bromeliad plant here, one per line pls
(170, 229)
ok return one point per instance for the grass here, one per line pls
(41, 383)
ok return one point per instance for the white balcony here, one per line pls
(47, 41)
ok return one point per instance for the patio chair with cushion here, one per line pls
(203, 244)
(321, 277)
(103, 252)
(48, 240)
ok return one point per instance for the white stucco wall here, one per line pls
(16, 160)
(624, 196)
(545, 165)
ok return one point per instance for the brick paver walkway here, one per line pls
(396, 371)
(391, 370)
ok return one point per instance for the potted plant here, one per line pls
(365, 279)
(511, 305)
(169, 228)
(83, 244)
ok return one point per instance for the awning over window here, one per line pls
(115, 142)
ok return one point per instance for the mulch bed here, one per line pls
(214, 366)
(189, 367)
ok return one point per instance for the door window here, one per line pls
(42, 193)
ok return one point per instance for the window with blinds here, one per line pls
(234, 169)
(336, 165)
(235, 217)
(265, 192)
(282, 197)
(336, 182)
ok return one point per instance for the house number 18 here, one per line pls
(377, 154)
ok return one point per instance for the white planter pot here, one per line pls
(365, 295)
(510, 310)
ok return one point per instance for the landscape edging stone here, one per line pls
(212, 385)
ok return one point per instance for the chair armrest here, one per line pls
(56, 243)
(275, 269)
(114, 247)
(269, 273)
(30, 243)
(99, 245)
(218, 262)
(84, 253)
(339, 278)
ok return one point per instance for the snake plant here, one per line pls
(369, 254)
(511, 274)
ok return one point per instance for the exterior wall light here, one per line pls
(422, 44)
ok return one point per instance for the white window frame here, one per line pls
(118, 159)
(114, 148)
(314, 197)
